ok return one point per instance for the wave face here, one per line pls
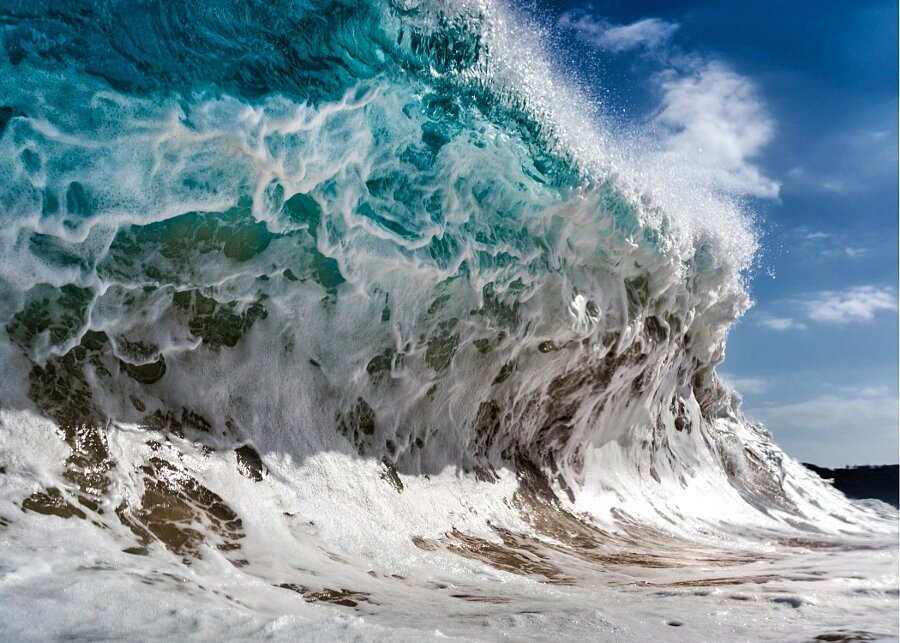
(265, 265)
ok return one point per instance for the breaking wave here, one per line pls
(322, 291)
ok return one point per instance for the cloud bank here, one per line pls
(835, 430)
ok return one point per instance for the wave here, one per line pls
(264, 261)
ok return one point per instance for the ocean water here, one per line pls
(336, 320)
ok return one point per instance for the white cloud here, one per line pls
(848, 160)
(844, 252)
(856, 304)
(878, 390)
(853, 253)
(715, 124)
(648, 34)
(878, 142)
(860, 303)
(751, 385)
(829, 245)
(710, 123)
(781, 323)
(834, 185)
(817, 236)
(816, 180)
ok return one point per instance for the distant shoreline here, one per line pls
(879, 482)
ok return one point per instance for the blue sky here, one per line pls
(798, 100)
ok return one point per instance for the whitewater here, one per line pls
(328, 320)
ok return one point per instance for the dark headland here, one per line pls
(868, 481)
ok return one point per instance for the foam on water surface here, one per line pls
(344, 321)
